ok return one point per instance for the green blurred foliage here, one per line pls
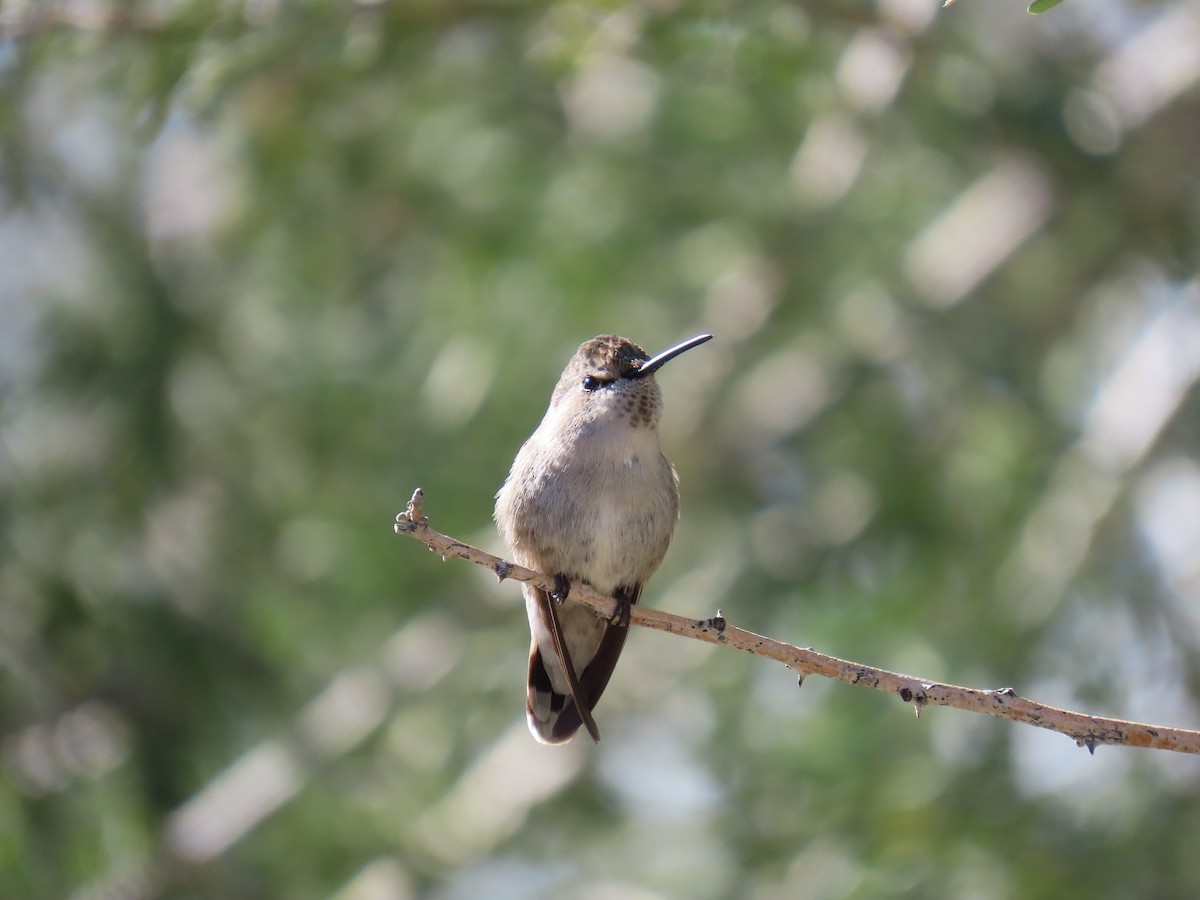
(267, 267)
(1041, 6)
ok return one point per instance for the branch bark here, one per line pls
(1087, 731)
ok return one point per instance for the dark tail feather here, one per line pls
(565, 664)
(553, 717)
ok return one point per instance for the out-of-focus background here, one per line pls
(266, 267)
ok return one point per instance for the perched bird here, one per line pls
(591, 498)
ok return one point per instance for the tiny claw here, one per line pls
(624, 612)
(502, 569)
(562, 588)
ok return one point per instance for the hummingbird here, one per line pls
(590, 498)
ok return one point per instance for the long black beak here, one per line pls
(650, 366)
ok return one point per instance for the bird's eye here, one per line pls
(591, 382)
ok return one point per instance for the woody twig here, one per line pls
(1086, 730)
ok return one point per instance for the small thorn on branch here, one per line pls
(918, 700)
(1002, 694)
(717, 622)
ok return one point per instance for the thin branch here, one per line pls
(1086, 731)
(78, 15)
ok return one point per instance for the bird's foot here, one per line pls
(562, 588)
(624, 609)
